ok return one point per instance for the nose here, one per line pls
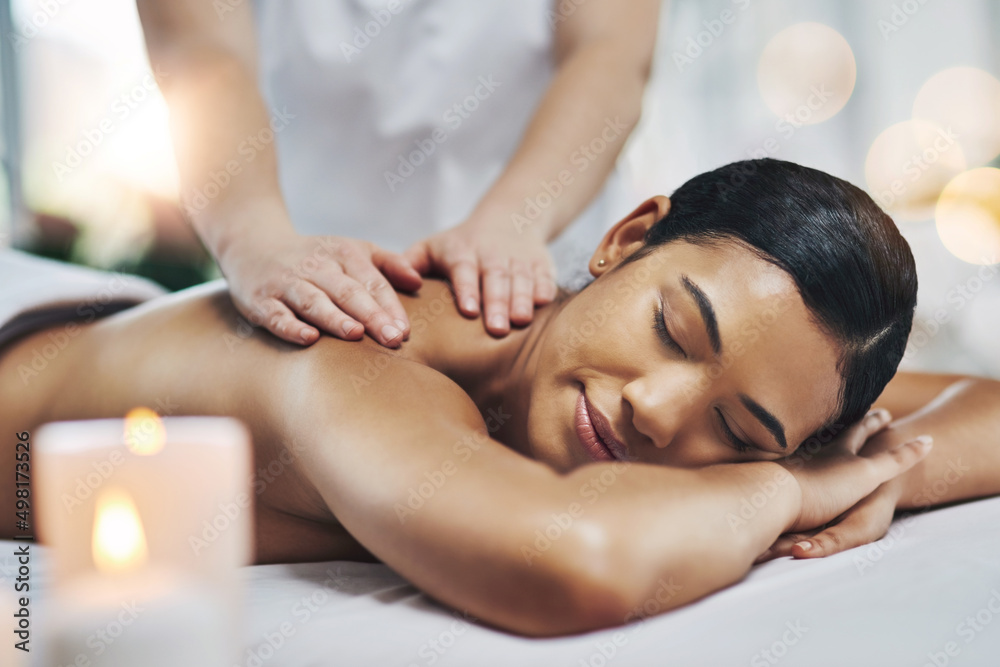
(658, 407)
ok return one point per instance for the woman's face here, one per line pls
(691, 355)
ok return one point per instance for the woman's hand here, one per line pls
(516, 271)
(840, 475)
(287, 282)
(864, 523)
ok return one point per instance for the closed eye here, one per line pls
(660, 327)
(738, 444)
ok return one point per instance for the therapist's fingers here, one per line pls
(314, 306)
(281, 321)
(375, 283)
(522, 292)
(400, 272)
(463, 271)
(545, 283)
(354, 299)
(496, 296)
(419, 257)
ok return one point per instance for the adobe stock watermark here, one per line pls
(463, 449)
(121, 110)
(419, 321)
(970, 628)
(750, 507)
(916, 166)
(563, 11)
(101, 471)
(246, 152)
(117, 624)
(58, 340)
(930, 495)
(661, 600)
(697, 44)
(228, 512)
(560, 523)
(925, 329)
(45, 11)
(748, 336)
(786, 127)
(453, 118)
(302, 612)
(434, 648)
(899, 16)
(581, 159)
(363, 35)
(778, 649)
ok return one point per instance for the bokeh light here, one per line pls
(144, 434)
(965, 101)
(908, 165)
(968, 216)
(806, 73)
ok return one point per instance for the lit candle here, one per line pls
(132, 614)
(147, 522)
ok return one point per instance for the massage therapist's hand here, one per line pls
(297, 285)
(841, 477)
(516, 271)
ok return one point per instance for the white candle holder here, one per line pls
(150, 515)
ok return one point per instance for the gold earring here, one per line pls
(601, 262)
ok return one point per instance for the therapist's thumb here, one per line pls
(419, 257)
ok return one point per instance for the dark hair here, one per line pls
(853, 269)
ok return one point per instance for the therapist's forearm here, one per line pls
(965, 462)
(595, 98)
(222, 131)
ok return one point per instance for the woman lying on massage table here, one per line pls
(642, 430)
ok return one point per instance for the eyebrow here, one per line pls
(707, 313)
(770, 422)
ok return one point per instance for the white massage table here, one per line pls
(904, 601)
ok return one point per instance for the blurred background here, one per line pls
(901, 97)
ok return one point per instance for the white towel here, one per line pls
(36, 292)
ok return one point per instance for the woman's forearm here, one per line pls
(675, 535)
(965, 462)
(604, 50)
(223, 133)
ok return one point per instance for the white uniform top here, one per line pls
(394, 117)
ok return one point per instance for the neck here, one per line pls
(495, 372)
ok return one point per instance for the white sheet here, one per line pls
(897, 602)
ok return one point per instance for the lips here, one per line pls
(595, 433)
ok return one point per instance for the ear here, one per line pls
(627, 235)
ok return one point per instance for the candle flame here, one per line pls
(144, 432)
(119, 542)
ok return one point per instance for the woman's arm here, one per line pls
(963, 416)
(405, 462)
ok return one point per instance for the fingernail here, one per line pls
(305, 335)
(805, 546)
(498, 322)
(470, 305)
(349, 328)
(401, 324)
(924, 440)
(390, 332)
